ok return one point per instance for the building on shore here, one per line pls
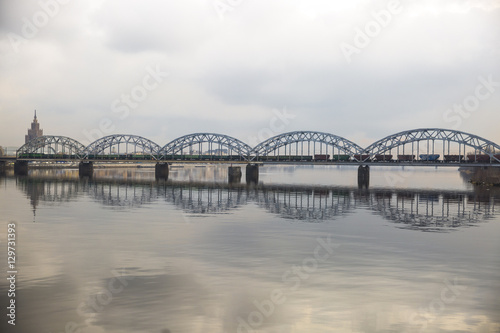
(34, 131)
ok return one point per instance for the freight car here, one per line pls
(481, 158)
(406, 158)
(429, 157)
(382, 158)
(454, 158)
(341, 157)
(321, 157)
(32, 155)
(284, 158)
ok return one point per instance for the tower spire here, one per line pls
(34, 131)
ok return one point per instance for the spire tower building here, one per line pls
(34, 131)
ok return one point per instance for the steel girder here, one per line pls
(65, 145)
(97, 147)
(233, 144)
(278, 141)
(54, 144)
(393, 141)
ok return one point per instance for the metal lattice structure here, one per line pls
(146, 146)
(480, 145)
(298, 146)
(287, 139)
(214, 141)
(53, 145)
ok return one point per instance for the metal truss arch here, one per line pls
(479, 144)
(98, 147)
(52, 144)
(281, 140)
(234, 145)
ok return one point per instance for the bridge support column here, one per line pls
(252, 173)
(86, 169)
(2, 167)
(161, 171)
(21, 168)
(363, 176)
(234, 174)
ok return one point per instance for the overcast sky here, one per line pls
(248, 68)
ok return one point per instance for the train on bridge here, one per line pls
(429, 145)
(469, 158)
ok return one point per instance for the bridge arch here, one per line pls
(480, 145)
(119, 144)
(54, 145)
(209, 144)
(343, 146)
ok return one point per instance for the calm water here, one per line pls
(305, 251)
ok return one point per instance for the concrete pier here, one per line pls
(363, 176)
(86, 169)
(2, 167)
(161, 171)
(21, 168)
(252, 173)
(234, 174)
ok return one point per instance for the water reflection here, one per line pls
(412, 209)
(243, 243)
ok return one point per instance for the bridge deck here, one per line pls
(389, 164)
(8, 158)
(337, 163)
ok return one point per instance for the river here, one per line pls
(306, 250)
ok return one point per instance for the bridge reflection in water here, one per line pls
(410, 209)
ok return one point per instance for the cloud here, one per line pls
(227, 75)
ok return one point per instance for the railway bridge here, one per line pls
(421, 147)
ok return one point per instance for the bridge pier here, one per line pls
(252, 173)
(21, 168)
(86, 169)
(363, 176)
(2, 167)
(234, 174)
(161, 171)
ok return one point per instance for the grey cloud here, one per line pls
(261, 56)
